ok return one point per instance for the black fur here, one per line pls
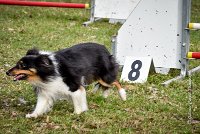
(33, 51)
(90, 60)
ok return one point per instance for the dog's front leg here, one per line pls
(79, 100)
(44, 104)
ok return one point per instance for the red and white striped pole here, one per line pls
(43, 4)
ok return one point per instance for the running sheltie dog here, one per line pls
(64, 73)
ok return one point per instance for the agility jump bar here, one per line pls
(43, 4)
(194, 26)
(195, 55)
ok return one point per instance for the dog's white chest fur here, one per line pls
(55, 88)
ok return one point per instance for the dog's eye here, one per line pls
(22, 65)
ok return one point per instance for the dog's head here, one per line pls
(32, 67)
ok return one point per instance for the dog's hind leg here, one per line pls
(79, 100)
(106, 90)
(96, 87)
(105, 86)
(121, 91)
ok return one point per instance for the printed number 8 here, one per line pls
(136, 70)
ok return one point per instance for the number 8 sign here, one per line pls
(136, 69)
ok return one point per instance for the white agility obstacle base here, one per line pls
(115, 10)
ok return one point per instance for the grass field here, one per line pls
(150, 107)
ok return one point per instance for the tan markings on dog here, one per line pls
(27, 72)
(104, 83)
(33, 70)
(32, 76)
(82, 88)
(116, 83)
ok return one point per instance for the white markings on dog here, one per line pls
(106, 93)
(122, 94)
(54, 90)
(96, 88)
(79, 100)
(53, 59)
(45, 52)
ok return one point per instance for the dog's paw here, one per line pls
(122, 94)
(106, 93)
(77, 112)
(82, 111)
(85, 108)
(33, 115)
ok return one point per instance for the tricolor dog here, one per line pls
(64, 73)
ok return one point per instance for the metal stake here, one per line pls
(190, 99)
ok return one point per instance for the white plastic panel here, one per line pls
(114, 9)
(152, 29)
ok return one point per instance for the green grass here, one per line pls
(150, 107)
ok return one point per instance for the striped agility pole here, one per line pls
(43, 4)
(194, 26)
(195, 55)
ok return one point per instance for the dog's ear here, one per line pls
(33, 51)
(44, 61)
